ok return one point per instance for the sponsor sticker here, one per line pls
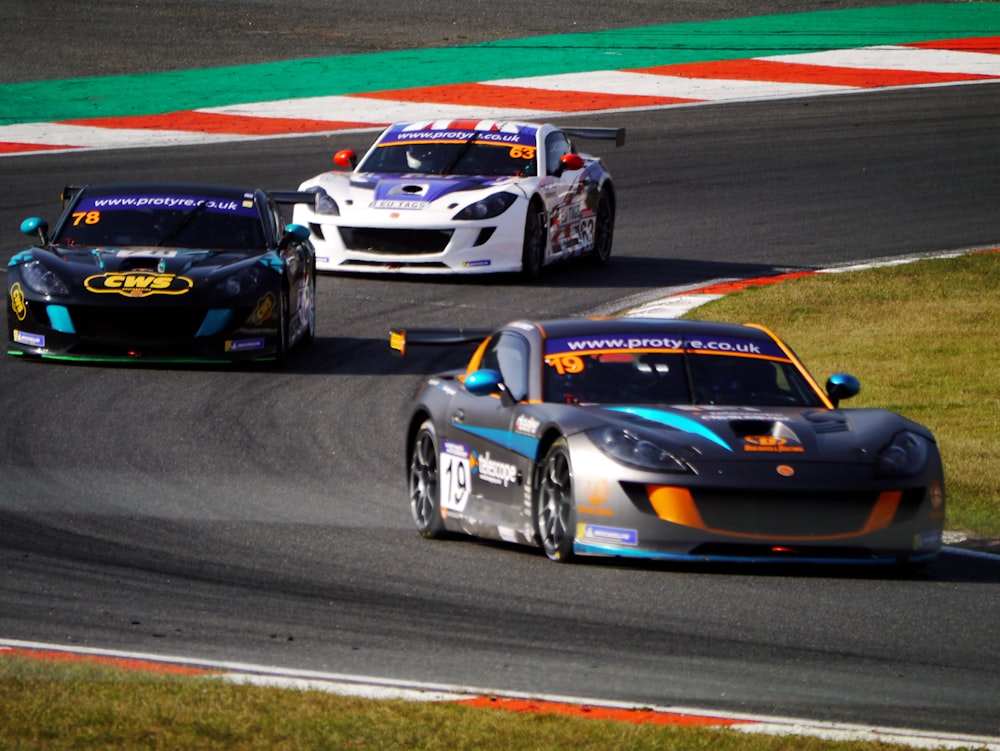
(399, 205)
(607, 534)
(264, 310)
(526, 425)
(138, 284)
(661, 343)
(32, 340)
(927, 540)
(771, 444)
(493, 471)
(244, 345)
(211, 204)
(17, 303)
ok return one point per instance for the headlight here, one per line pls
(41, 280)
(906, 455)
(488, 208)
(323, 203)
(242, 282)
(630, 448)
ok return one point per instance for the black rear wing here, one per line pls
(399, 339)
(608, 134)
(292, 196)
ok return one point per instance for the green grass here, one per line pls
(923, 338)
(63, 707)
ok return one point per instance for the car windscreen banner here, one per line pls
(643, 342)
(168, 202)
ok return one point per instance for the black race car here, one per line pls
(664, 439)
(164, 272)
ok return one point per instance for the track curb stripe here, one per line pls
(927, 63)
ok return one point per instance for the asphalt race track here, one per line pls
(260, 516)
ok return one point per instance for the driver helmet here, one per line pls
(420, 156)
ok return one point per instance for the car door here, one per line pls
(480, 471)
(571, 217)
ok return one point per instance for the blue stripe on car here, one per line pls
(671, 420)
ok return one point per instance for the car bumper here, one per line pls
(369, 246)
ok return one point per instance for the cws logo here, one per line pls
(264, 310)
(134, 284)
(17, 303)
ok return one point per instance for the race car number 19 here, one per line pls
(456, 472)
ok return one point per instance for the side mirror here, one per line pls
(293, 233)
(842, 386)
(346, 158)
(487, 381)
(36, 226)
(570, 163)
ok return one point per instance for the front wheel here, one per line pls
(554, 503)
(425, 495)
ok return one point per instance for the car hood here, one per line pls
(147, 259)
(751, 434)
(412, 191)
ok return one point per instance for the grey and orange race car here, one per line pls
(164, 272)
(664, 439)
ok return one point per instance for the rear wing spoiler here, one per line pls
(292, 196)
(399, 339)
(609, 134)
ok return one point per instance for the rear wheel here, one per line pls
(604, 230)
(281, 347)
(554, 503)
(309, 334)
(533, 253)
(425, 496)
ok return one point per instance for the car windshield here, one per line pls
(453, 158)
(194, 222)
(675, 378)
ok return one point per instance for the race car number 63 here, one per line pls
(455, 474)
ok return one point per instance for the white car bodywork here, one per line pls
(463, 197)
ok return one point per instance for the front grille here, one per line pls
(140, 323)
(395, 241)
(784, 514)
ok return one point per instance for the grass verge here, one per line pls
(63, 707)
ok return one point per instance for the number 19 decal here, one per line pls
(456, 476)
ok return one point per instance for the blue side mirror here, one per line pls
(842, 386)
(483, 382)
(298, 231)
(293, 233)
(36, 226)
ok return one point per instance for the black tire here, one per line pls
(604, 228)
(554, 503)
(281, 346)
(425, 492)
(309, 335)
(535, 239)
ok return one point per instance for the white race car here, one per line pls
(463, 196)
